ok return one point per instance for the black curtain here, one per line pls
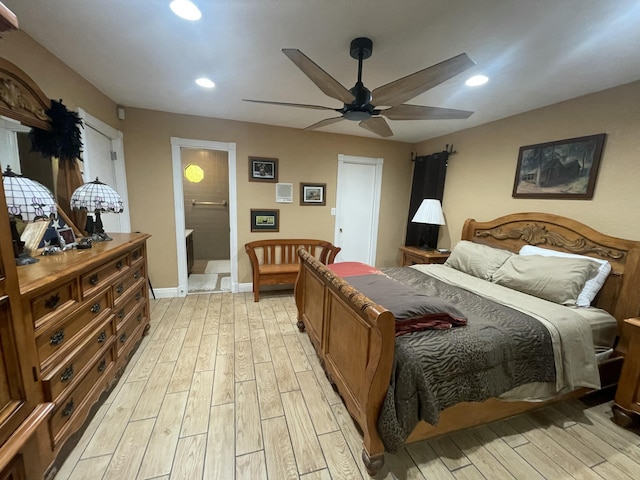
(428, 182)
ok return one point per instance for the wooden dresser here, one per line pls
(88, 310)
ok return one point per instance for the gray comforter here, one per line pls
(499, 349)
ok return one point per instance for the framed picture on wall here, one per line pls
(313, 194)
(263, 169)
(265, 220)
(565, 169)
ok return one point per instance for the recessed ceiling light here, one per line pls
(476, 80)
(205, 82)
(185, 9)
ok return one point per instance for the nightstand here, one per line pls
(415, 255)
(626, 406)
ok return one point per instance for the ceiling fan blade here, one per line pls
(285, 104)
(406, 88)
(324, 123)
(418, 112)
(377, 125)
(325, 82)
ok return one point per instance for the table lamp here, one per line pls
(430, 213)
(27, 200)
(96, 197)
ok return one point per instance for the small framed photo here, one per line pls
(313, 194)
(265, 220)
(66, 238)
(263, 169)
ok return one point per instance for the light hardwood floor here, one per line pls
(226, 388)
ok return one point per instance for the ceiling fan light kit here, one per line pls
(361, 105)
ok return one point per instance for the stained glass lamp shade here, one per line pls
(26, 198)
(97, 197)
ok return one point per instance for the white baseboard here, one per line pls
(245, 287)
(164, 292)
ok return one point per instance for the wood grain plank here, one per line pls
(486, 463)
(449, 453)
(183, 372)
(260, 346)
(248, 429)
(127, 457)
(296, 353)
(223, 380)
(278, 451)
(212, 319)
(268, 394)
(189, 460)
(244, 362)
(194, 332)
(241, 329)
(469, 472)
(225, 339)
(107, 435)
(206, 359)
(161, 449)
(400, 465)
(220, 458)
(196, 414)
(89, 468)
(319, 410)
(251, 466)
(284, 370)
(351, 434)
(339, 460)
(173, 345)
(153, 393)
(541, 462)
(146, 363)
(428, 462)
(508, 434)
(303, 438)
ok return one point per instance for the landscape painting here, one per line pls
(565, 169)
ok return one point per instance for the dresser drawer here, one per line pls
(129, 304)
(137, 254)
(126, 333)
(122, 285)
(68, 373)
(57, 301)
(59, 336)
(81, 398)
(94, 280)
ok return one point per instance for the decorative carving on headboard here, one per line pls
(21, 98)
(535, 234)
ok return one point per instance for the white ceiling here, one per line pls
(536, 52)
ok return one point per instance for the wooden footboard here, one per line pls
(355, 340)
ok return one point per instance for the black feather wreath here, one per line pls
(63, 141)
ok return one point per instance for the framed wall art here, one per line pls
(265, 220)
(263, 169)
(565, 169)
(313, 194)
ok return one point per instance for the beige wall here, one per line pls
(480, 176)
(303, 157)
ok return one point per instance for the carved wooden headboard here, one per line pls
(620, 294)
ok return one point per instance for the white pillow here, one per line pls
(593, 285)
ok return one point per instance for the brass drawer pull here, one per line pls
(136, 254)
(102, 337)
(57, 338)
(119, 265)
(67, 374)
(136, 275)
(121, 314)
(52, 302)
(96, 307)
(102, 365)
(93, 279)
(68, 409)
(123, 337)
(138, 296)
(120, 288)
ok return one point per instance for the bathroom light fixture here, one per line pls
(476, 81)
(205, 82)
(185, 9)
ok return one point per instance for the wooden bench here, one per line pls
(275, 262)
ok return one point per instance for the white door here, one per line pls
(103, 157)
(357, 208)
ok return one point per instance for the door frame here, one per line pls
(377, 191)
(178, 200)
(117, 146)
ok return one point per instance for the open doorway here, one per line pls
(205, 202)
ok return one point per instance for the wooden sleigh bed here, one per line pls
(355, 337)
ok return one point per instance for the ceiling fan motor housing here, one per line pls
(361, 47)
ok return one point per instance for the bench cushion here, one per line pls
(280, 268)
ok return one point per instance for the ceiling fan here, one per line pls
(362, 105)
